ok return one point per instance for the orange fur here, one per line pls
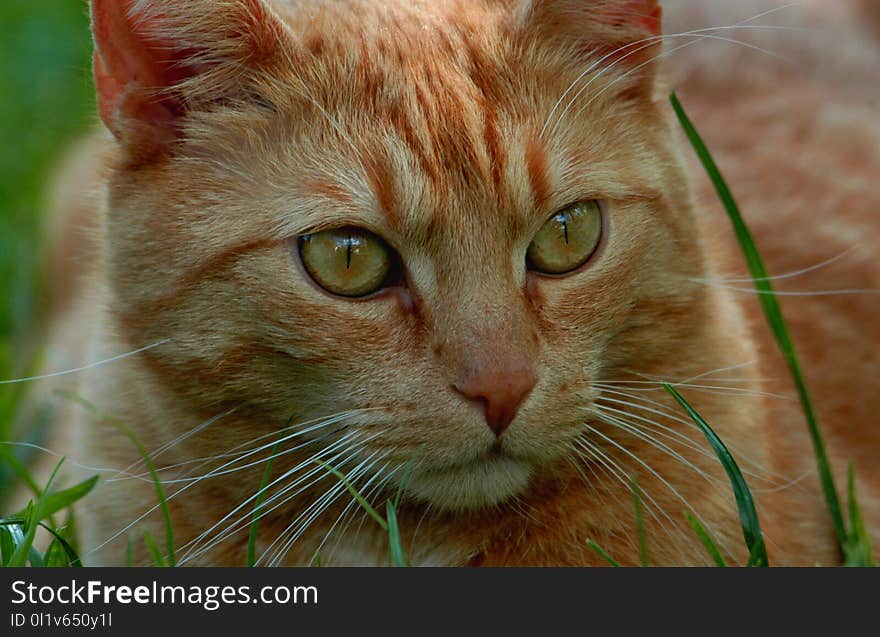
(427, 123)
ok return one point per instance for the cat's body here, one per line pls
(435, 125)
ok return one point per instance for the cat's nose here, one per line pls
(501, 387)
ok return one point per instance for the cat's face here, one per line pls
(397, 211)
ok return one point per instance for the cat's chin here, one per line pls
(475, 485)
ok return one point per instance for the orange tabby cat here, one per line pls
(448, 247)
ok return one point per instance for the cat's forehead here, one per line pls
(436, 115)
(356, 20)
(444, 131)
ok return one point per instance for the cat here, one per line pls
(451, 249)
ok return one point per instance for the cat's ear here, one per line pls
(156, 60)
(627, 32)
(620, 20)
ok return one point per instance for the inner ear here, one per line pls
(157, 59)
(134, 71)
(646, 16)
(620, 34)
(601, 22)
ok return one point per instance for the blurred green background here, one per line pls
(46, 103)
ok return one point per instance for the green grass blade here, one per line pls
(72, 559)
(356, 494)
(34, 558)
(129, 551)
(604, 554)
(7, 543)
(151, 467)
(153, 548)
(401, 486)
(12, 537)
(706, 539)
(773, 313)
(640, 522)
(255, 520)
(398, 556)
(859, 551)
(20, 470)
(24, 551)
(748, 515)
(59, 500)
(55, 556)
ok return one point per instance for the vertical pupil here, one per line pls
(348, 243)
(563, 219)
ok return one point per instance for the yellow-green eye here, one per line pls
(567, 240)
(347, 261)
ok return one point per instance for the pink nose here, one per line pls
(501, 388)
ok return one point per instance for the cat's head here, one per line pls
(445, 218)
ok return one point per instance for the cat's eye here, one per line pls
(567, 240)
(349, 262)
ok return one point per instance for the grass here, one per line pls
(47, 101)
(706, 539)
(397, 556)
(18, 532)
(748, 514)
(854, 544)
(44, 64)
(258, 506)
(170, 557)
(641, 529)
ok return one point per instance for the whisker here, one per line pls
(211, 474)
(640, 66)
(652, 506)
(689, 424)
(168, 445)
(300, 428)
(195, 547)
(305, 519)
(369, 493)
(67, 459)
(641, 45)
(696, 36)
(768, 12)
(641, 434)
(146, 476)
(713, 389)
(246, 519)
(217, 473)
(657, 475)
(345, 511)
(352, 477)
(84, 368)
(809, 293)
(659, 429)
(780, 277)
(658, 380)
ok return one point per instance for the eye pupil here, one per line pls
(563, 219)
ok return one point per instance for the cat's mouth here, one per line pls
(479, 483)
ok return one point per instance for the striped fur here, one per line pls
(241, 125)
